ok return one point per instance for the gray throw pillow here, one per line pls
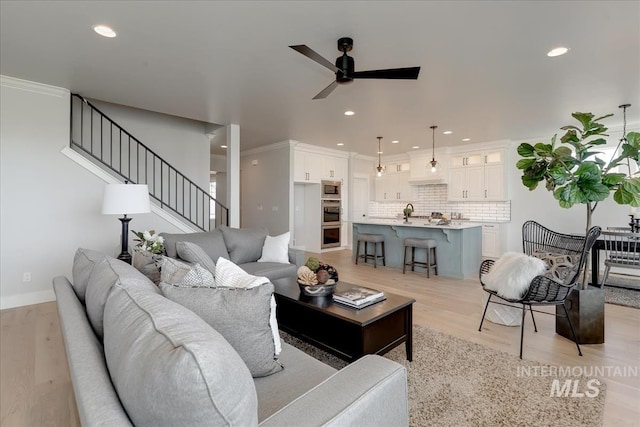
(193, 253)
(106, 274)
(177, 273)
(244, 244)
(211, 242)
(560, 267)
(170, 368)
(240, 315)
(84, 262)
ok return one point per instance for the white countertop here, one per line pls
(419, 222)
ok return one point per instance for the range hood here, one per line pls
(427, 181)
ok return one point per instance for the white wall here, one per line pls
(180, 142)
(265, 180)
(50, 206)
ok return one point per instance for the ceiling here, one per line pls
(485, 74)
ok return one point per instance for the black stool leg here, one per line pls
(404, 260)
(435, 261)
(357, 251)
(375, 254)
(535, 328)
(384, 256)
(428, 262)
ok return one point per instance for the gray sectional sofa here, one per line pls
(242, 246)
(138, 358)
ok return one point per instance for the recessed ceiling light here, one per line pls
(447, 132)
(466, 139)
(223, 146)
(380, 152)
(340, 144)
(395, 141)
(415, 146)
(349, 113)
(557, 51)
(104, 31)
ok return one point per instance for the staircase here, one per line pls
(97, 137)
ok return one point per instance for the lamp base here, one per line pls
(125, 255)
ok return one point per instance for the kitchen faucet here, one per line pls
(407, 212)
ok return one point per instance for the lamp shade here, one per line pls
(125, 199)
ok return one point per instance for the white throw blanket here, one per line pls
(512, 274)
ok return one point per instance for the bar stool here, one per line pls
(427, 244)
(367, 238)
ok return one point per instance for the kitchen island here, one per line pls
(459, 244)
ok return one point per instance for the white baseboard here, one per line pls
(27, 299)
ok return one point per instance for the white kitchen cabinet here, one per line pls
(477, 176)
(493, 240)
(307, 167)
(420, 170)
(393, 187)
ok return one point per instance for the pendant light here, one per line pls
(379, 168)
(433, 147)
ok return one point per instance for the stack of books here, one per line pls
(359, 297)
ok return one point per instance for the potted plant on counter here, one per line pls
(575, 175)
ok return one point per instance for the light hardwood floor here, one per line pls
(36, 390)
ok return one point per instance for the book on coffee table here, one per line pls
(358, 296)
(363, 305)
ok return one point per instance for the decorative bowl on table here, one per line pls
(317, 279)
(322, 290)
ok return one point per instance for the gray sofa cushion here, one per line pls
(83, 263)
(104, 276)
(244, 244)
(270, 270)
(241, 315)
(211, 242)
(172, 369)
(193, 253)
(301, 374)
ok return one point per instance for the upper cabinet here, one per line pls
(393, 185)
(307, 167)
(477, 176)
(311, 167)
(421, 170)
(335, 168)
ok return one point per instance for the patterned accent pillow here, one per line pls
(559, 266)
(193, 253)
(182, 275)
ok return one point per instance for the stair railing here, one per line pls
(96, 135)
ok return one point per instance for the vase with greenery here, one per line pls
(575, 175)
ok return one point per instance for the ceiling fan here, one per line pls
(345, 67)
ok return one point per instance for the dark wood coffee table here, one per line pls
(346, 332)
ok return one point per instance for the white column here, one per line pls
(233, 174)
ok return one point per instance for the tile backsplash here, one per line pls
(433, 198)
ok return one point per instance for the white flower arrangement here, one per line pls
(149, 241)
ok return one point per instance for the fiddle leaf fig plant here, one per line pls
(575, 175)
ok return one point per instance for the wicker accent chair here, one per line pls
(544, 291)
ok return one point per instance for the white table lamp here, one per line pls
(125, 199)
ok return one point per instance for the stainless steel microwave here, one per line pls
(331, 189)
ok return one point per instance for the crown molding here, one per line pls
(29, 86)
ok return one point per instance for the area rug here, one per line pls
(454, 382)
(624, 290)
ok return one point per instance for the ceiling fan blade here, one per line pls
(326, 91)
(410, 73)
(312, 54)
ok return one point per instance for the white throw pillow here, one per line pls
(230, 275)
(276, 249)
(512, 274)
